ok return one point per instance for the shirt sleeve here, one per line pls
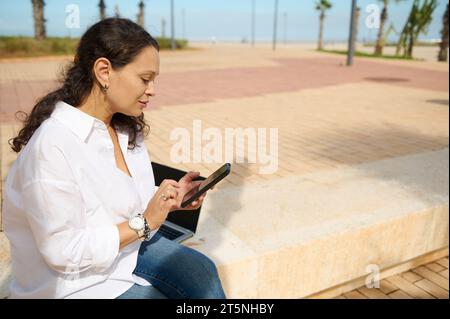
(58, 219)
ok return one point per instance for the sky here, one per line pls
(222, 20)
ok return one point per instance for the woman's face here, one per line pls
(131, 86)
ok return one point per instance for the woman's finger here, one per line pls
(170, 189)
(171, 203)
(193, 204)
(167, 182)
(196, 183)
(198, 202)
(190, 176)
(169, 194)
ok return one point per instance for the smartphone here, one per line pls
(207, 184)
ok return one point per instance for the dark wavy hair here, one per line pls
(118, 40)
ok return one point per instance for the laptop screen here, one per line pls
(184, 219)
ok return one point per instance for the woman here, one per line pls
(80, 207)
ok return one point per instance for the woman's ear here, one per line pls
(102, 69)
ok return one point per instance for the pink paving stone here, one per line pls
(209, 85)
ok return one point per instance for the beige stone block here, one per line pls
(305, 242)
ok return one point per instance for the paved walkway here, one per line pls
(429, 281)
(389, 114)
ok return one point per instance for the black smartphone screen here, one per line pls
(212, 180)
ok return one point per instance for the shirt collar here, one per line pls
(82, 123)
(77, 121)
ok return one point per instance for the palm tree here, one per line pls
(442, 57)
(356, 25)
(380, 39)
(322, 6)
(116, 11)
(381, 35)
(39, 20)
(140, 17)
(418, 21)
(102, 7)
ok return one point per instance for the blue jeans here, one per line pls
(175, 272)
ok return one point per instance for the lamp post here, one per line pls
(351, 37)
(172, 23)
(183, 16)
(253, 23)
(275, 18)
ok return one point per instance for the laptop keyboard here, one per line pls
(169, 232)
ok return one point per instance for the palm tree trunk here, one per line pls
(356, 25)
(140, 19)
(102, 7)
(442, 57)
(406, 35)
(380, 39)
(400, 44)
(322, 18)
(411, 43)
(39, 20)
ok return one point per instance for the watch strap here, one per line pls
(145, 236)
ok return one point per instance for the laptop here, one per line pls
(179, 225)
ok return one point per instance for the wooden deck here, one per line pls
(428, 281)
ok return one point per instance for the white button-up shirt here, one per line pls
(63, 198)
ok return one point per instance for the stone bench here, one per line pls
(297, 236)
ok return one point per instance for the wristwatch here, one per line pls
(139, 224)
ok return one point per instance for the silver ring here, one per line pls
(164, 197)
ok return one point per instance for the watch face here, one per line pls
(137, 223)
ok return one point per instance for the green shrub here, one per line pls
(166, 43)
(27, 46)
(368, 55)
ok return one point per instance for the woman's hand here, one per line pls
(187, 186)
(163, 202)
